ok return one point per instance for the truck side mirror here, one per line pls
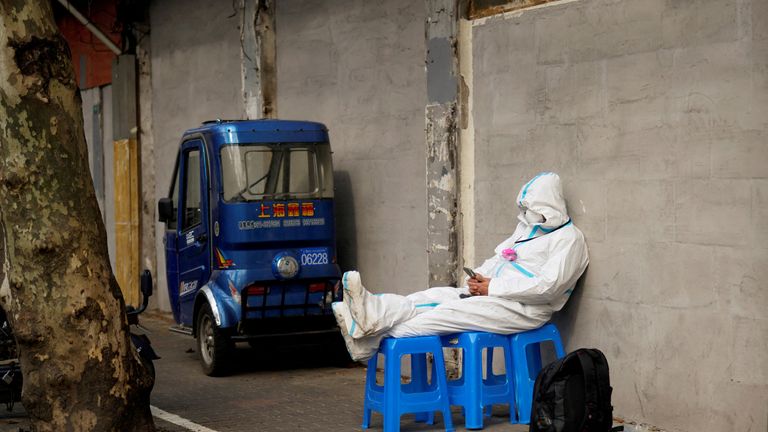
(165, 210)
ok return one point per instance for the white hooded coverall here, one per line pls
(522, 294)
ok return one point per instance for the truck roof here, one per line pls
(263, 130)
(261, 125)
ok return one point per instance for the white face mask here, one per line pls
(532, 217)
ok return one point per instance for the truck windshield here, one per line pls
(253, 172)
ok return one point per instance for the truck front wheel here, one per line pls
(214, 346)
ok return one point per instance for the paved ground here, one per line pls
(279, 388)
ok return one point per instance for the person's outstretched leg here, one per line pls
(375, 314)
(372, 314)
(480, 313)
(355, 296)
(360, 349)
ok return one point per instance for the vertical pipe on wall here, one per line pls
(442, 140)
(467, 149)
(147, 154)
(258, 53)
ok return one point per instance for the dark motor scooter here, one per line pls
(140, 340)
(10, 372)
(11, 379)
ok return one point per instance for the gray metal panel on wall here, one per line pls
(94, 131)
(97, 124)
(109, 177)
(97, 156)
(359, 67)
(124, 96)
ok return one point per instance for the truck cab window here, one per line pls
(253, 172)
(172, 222)
(192, 215)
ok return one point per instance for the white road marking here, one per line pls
(178, 421)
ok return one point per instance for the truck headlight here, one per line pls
(287, 266)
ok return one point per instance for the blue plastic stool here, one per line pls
(527, 363)
(473, 392)
(420, 397)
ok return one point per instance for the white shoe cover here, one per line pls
(347, 324)
(359, 349)
(355, 297)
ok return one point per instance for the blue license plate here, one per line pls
(314, 256)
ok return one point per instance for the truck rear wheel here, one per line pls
(214, 347)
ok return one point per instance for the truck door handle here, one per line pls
(202, 238)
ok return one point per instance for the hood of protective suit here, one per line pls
(543, 195)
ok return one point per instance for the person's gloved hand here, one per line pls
(478, 286)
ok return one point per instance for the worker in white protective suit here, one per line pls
(530, 276)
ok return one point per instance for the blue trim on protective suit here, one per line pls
(344, 282)
(427, 305)
(522, 270)
(527, 185)
(549, 230)
(519, 268)
(352, 329)
(533, 231)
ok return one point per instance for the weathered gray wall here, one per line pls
(358, 67)
(654, 112)
(195, 52)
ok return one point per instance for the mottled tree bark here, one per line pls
(81, 372)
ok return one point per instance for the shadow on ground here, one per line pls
(283, 354)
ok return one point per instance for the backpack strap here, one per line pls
(603, 379)
(588, 369)
(593, 365)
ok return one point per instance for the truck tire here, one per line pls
(214, 347)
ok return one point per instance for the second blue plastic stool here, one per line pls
(527, 364)
(420, 397)
(473, 392)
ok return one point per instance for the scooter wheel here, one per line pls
(149, 365)
(214, 346)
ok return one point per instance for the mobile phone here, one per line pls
(470, 272)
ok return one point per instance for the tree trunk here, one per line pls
(81, 372)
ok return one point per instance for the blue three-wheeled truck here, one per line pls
(250, 243)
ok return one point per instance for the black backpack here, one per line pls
(573, 394)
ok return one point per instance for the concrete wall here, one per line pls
(358, 67)
(195, 55)
(654, 112)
